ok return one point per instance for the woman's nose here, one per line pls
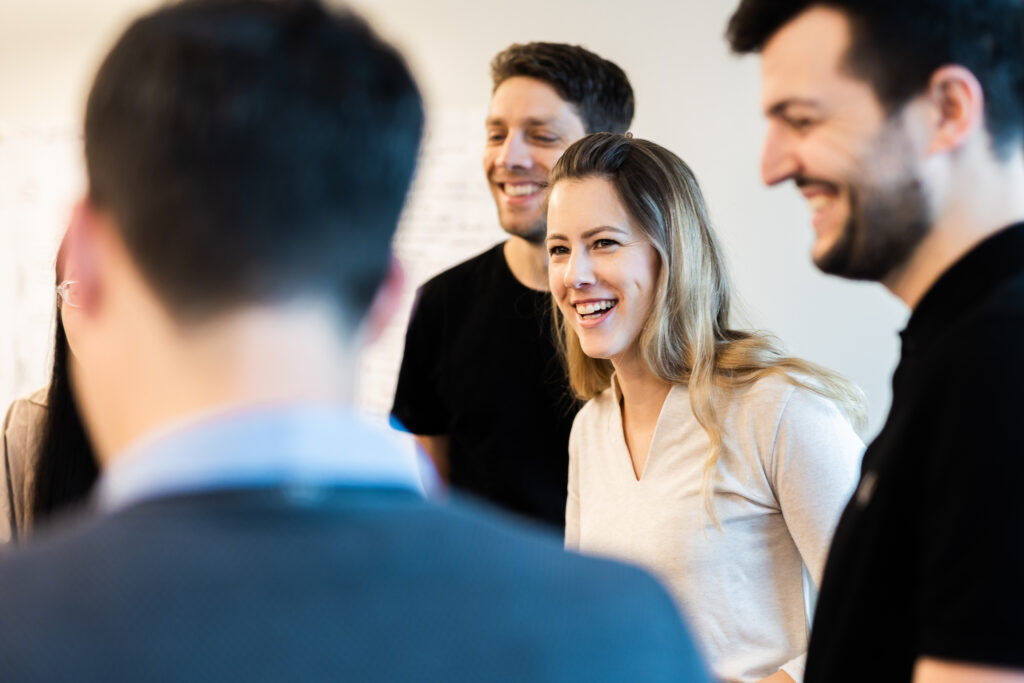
(578, 272)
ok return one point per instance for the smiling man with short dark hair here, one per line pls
(481, 384)
(902, 124)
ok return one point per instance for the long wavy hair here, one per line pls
(66, 465)
(687, 339)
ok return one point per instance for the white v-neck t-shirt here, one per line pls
(788, 464)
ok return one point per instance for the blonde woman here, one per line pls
(703, 453)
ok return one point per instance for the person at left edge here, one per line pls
(47, 464)
(481, 384)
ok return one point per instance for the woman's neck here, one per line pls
(642, 390)
(643, 395)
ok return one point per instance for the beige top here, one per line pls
(21, 436)
(788, 465)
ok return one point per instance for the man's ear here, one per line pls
(386, 301)
(80, 254)
(958, 103)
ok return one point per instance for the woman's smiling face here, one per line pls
(603, 270)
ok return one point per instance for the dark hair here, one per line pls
(597, 87)
(65, 468)
(897, 45)
(253, 151)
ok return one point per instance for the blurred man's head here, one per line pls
(253, 151)
(245, 158)
(863, 97)
(546, 96)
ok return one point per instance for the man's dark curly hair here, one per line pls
(597, 87)
(897, 45)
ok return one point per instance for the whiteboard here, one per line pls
(41, 175)
(449, 217)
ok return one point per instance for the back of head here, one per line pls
(253, 151)
(596, 87)
(896, 46)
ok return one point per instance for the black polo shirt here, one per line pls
(928, 558)
(480, 365)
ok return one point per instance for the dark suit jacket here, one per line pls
(318, 584)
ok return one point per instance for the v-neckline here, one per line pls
(621, 431)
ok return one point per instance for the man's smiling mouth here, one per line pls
(523, 189)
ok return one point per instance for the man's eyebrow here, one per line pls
(779, 108)
(497, 121)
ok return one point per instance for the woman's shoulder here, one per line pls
(25, 415)
(789, 421)
(598, 406)
(37, 398)
(771, 389)
(590, 427)
(595, 413)
(776, 396)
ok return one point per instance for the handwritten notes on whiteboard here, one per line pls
(449, 217)
(41, 175)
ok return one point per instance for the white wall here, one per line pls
(692, 96)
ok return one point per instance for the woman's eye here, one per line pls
(604, 243)
(547, 139)
(558, 250)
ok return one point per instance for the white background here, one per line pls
(692, 96)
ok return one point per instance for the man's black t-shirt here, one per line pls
(928, 558)
(480, 365)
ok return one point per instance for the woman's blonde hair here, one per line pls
(687, 339)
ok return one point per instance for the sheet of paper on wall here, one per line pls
(41, 175)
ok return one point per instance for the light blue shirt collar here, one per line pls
(296, 444)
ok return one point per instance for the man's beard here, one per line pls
(881, 234)
(533, 233)
(887, 221)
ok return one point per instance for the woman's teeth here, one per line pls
(594, 309)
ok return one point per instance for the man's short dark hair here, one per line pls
(596, 87)
(896, 45)
(253, 151)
